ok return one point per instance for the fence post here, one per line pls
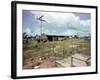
(71, 61)
(63, 51)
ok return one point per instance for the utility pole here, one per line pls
(41, 20)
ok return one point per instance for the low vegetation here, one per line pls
(36, 53)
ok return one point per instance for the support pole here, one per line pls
(71, 61)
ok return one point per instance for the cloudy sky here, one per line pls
(57, 23)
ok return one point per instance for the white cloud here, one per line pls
(28, 30)
(71, 23)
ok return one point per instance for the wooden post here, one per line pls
(53, 45)
(63, 51)
(71, 61)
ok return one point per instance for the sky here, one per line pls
(56, 23)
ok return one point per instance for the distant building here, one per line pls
(42, 38)
(56, 37)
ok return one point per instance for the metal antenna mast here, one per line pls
(41, 20)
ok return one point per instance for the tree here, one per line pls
(25, 37)
(76, 36)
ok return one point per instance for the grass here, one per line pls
(56, 49)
